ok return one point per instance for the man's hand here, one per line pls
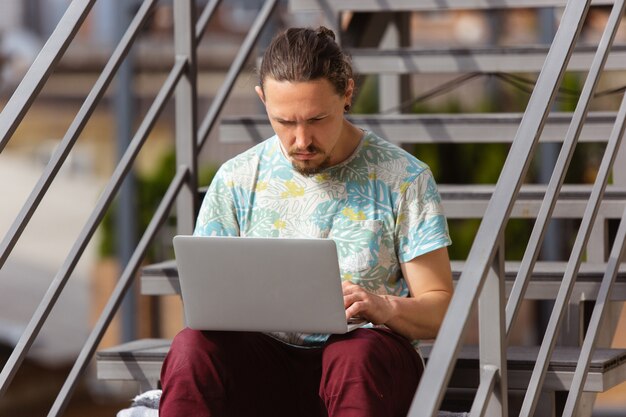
(360, 303)
(429, 279)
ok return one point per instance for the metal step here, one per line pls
(435, 128)
(424, 5)
(162, 279)
(470, 201)
(141, 361)
(473, 59)
(480, 59)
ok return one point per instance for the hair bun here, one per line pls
(324, 31)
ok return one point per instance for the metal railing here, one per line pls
(180, 82)
(483, 277)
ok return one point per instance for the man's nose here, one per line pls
(302, 136)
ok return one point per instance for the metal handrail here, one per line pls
(558, 176)
(573, 265)
(240, 59)
(74, 131)
(448, 343)
(115, 182)
(120, 290)
(42, 67)
(205, 17)
(18, 106)
(580, 375)
(488, 377)
(474, 280)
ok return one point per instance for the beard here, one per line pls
(309, 167)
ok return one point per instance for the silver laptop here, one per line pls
(261, 284)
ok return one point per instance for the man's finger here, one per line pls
(354, 309)
(347, 284)
(350, 288)
(349, 299)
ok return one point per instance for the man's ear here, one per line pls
(259, 92)
(349, 91)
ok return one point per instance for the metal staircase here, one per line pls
(498, 379)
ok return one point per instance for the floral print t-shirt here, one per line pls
(380, 206)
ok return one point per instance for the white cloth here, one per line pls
(138, 411)
(147, 405)
(143, 405)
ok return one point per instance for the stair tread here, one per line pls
(479, 118)
(162, 279)
(564, 358)
(527, 192)
(544, 270)
(428, 5)
(467, 50)
(440, 128)
(477, 192)
(472, 59)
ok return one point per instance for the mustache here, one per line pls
(309, 149)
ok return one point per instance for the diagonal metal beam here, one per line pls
(205, 17)
(448, 343)
(121, 288)
(562, 299)
(582, 368)
(72, 134)
(246, 47)
(56, 287)
(558, 176)
(41, 68)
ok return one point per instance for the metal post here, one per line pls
(552, 248)
(186, 112)
(492, 330)
(394, 89)
(127, 208)
(495, 23)
(31, 16)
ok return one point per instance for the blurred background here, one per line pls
(25, 25)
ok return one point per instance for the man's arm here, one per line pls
(429, 278)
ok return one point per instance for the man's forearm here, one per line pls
(418, 318)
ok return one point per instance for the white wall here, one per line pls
(10, 14)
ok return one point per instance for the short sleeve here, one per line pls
(217, 216)
(421, 226)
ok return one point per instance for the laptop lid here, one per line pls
(260, 284)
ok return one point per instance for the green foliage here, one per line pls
(571, 87)
(462, 233)
(150, 190)
(366, 100)
(476, 163)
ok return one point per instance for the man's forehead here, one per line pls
(321, 87)
(303, 100)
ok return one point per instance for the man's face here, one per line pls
(308, 119)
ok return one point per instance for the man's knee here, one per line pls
(369, 372)
(186, 340)
(373, 355)
(359, 350)
(199, 349)
(189, 343)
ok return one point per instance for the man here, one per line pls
(321, 176)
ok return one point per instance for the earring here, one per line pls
(346, 108)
